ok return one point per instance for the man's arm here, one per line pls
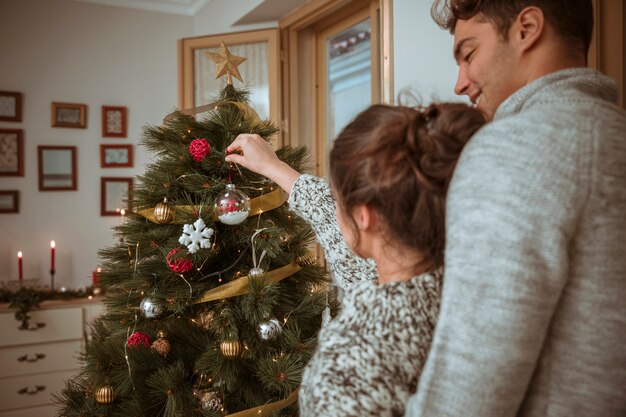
(511, 211)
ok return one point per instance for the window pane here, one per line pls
(349, 76)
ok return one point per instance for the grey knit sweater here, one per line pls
(533, 311)
(369, 358)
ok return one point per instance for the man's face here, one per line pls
(487, 64)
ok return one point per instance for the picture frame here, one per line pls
(115, 195)
(72, 115)
(114, 121)
(11, 152)
(9, 201)
(10, 106)
(57, 166)
(116, 156)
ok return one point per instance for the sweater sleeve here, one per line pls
(511, 212)
(312, 200)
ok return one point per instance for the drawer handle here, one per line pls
(37, 357)
(32, 327)
(33, 391)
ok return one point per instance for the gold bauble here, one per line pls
(105, 394)
(231, 349)
(163, 212)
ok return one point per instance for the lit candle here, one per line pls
(123, 216)
(96, 277)
(19, 267)
(52, 246)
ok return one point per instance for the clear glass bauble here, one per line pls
(233, 206)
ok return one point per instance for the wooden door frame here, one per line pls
(295, 28)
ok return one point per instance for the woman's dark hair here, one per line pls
(572, 19)
(398, 161)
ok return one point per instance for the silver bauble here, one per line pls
(151, 308)
(255, 272)
(270, 330)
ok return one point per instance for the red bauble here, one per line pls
(199, 149)
(180, 265)
(138, 339)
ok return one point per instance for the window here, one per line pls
(260, 71)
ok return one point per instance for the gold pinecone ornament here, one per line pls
(105, 394)
(161, 345)
(231, 349)
(163, 212)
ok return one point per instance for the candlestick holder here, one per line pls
(52, 271)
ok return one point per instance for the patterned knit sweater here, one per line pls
(311, 198)
(369, 358)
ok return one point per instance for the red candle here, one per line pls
(52, 246)
(19, 266)
(96, 277)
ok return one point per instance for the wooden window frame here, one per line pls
(188, 46)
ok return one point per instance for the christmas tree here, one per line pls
(213, 300)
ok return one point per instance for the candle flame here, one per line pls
(52, 244)
(122, 212)
(19, 254)
(98, 270)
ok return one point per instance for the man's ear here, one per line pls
(528, 27)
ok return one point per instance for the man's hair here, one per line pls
(572, 19)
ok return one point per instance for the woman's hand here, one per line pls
(257, 155)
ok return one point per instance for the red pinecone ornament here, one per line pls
(138, 339)
(199, 149)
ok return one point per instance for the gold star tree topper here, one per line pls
(226, 63)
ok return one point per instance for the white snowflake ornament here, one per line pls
(196, 236)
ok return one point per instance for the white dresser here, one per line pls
(34, 364)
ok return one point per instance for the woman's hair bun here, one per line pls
(399, 160)
(441, 132)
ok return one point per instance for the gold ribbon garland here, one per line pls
(268, 408)
(258, 205)
(240, 285)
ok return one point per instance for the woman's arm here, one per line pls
(311, 199)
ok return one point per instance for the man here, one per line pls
(533, 314)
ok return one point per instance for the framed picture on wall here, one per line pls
(10, 106)
(57, 168)
(116, 156)
(114, 121)
(11, 153)
(9, 201)
(115, 195)
(69, 115)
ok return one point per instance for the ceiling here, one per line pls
(182, 7)
(265, 11)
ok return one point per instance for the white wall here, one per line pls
(422, 53)
(67, 51)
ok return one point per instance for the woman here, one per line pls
(389, 173)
